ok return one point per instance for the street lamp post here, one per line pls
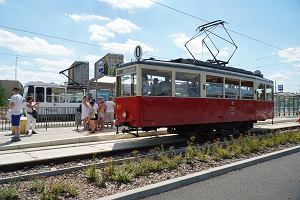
(16, 68)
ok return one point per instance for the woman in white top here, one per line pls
(85, 110)
(31, 117)
(92, 117)
(110, 110)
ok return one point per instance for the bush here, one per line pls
(54, 191)
(108, 170)
(121, 175)
(95, 176)
(201, 155)
(57, 190)
(190, 153)
(9, 193)
(37, 186)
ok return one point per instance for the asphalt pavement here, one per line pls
(277, 179)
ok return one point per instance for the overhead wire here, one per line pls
(193, 16)
(74, 41)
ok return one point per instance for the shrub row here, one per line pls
(244, 145)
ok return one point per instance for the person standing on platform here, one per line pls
(16, 105)
(31, 114)
(85, 110)
(92, 117)
(101, 112)
(110, 110)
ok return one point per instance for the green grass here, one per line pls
(9, 193)
(37, 186)
(53, 191)
(95, 175)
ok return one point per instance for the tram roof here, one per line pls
(192, 64)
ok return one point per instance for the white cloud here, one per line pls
(128, 4)
(286, 78)
(290, 54)
(25, 62)
(91, 59)
(179, 39)
(85, 17)
(2, 1)
(128, 46)
(33, 45)
(53, 65)
(100, 33)
(34, 74)
(120, 25)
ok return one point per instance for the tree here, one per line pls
(105, 68)
(3, 100)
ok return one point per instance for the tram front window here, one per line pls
(269, 92)
(40, 94)
(128, 85)
(261, 92)
(156, 82)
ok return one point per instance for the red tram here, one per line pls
(186, 94)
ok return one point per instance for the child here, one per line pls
(101, 113)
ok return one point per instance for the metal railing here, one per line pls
(53, 117)
(286, 105)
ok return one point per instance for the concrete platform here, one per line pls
(63, 151)
(67, 135)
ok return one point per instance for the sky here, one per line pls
(117, 26)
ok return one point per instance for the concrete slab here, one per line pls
(61, 153)
(7, 159)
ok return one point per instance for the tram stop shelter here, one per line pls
(286, 104)
(101, 86)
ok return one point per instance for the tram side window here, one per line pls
(187, 85)
(40, 94)
(128, 85)
(214, 86)
(247, 90)
(55, 95)
(74, 96)
(269, 92)
(156, 82)
(260, 92)
(232, 88)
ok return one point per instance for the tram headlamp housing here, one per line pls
(124, 114)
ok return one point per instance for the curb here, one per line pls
(199, 176)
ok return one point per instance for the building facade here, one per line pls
(107, 64)
(79, 73)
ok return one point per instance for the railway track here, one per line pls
(58, 167)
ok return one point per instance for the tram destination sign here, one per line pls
(138, 52)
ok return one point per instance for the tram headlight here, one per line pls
(124, 114)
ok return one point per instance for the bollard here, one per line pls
(23, 123)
